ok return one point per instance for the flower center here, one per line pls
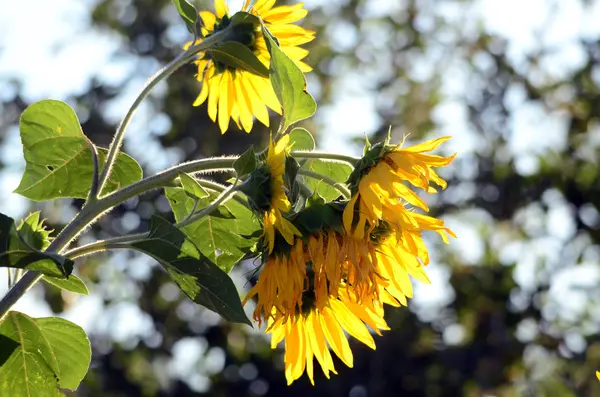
(242, 33)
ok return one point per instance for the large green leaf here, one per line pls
(333, 170)
(289, 84)
(59, 158)
(19, 248)
(199, 278)
(224, 236)
(191, 186)
(188, 13)
(46, 353)
(301, 139)
(71, 284)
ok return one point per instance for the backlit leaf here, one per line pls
(71, 284)
(225, 236)
(188, 13)
(301, 139)
(289, 84)
(199, 278)
(50, 353)
(58, 156)
(336, 171)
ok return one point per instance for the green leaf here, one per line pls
(72, 284)
(225, 236)
(191, 186)
(301, 139)
(187, 12)
(19, 248)
(51, 353)
(336, 171)
(246, 163)
(238, 56)
(199, 278)
(59, 158)
(289, 84)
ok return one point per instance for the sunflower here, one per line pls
(328, 282)
(380, 193)
(239, 94)
(278, 203)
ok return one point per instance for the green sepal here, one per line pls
(246, 163)
(368, 161)
(258, 189)
(244, 18)
(239, 57)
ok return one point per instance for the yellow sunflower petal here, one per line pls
(221, 8)
(284, 14)
(336, 338)
(427, 146)
(208, 20)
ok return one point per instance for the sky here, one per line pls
(55, 52)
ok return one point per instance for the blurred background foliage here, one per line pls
(514, 305)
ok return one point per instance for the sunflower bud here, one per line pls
(258, 189)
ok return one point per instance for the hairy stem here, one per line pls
(162, 74)
(103, 245)
(341, 158)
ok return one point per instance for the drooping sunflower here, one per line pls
(239, 94)
(380, 192)
(278, 203)
(293, 291)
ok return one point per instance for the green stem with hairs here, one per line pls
(339, 158)
(162, 74)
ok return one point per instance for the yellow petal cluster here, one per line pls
(302, 308)
(314, 333)
(238, 94)
(279, 203)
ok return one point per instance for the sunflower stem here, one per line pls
(117, 242)
(162, 74)
(225, 196)
(340, 158)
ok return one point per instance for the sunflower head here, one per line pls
(267, 193)
(238, 93)
(380, 186)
